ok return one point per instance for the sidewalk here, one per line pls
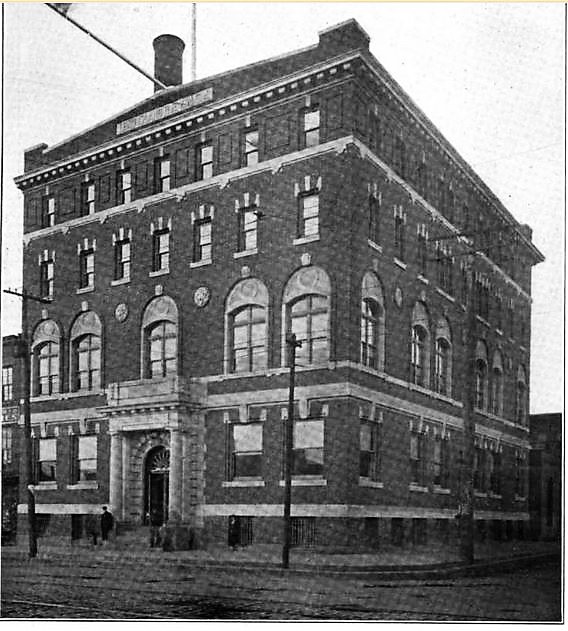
(412, 562)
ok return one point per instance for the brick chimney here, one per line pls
(168, 62)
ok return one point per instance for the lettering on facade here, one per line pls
(204, 96)
(10, 414)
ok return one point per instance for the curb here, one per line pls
(382, 572)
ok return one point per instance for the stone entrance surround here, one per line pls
(144, 414)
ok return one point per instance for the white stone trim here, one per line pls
(350, 510)
(64, 509)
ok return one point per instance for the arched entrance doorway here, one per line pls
(156, 483)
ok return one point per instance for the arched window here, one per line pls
(521, 397)
(160, 338)
(497, 384)
(45, 359)
(420, 346)
(246, 321)
(481, 376)
(443, 364)
(372, 323)
(86, 347)
(306, 314)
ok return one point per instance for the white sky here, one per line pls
(489, 76)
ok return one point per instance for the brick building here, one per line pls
(11, 394)
(545, 481)
(183, 239)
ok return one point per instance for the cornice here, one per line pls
(212, 113)
(275, 165)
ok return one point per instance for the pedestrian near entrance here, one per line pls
(155, 525)
(233, 532)
(107, 523)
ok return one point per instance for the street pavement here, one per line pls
(105, 584)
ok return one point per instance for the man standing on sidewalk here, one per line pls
(107, 522)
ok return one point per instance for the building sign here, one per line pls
(10, 414)
(193, 100)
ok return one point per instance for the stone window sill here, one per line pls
(372, 484)
(66, 395)
(400, 263)
(85, 290)
(307, 481)
(375, 246)
(45, 486)
(200, 263)
(423, 279)
(479, 494)
(79, 486)
(417, 488)
(495, 496)
(243, 253)
(445, 294)
(308, 239)
(520, 498)
(499, 332)
(243, 482)
(119, 281)
(440, 490)
(159, 272)
(483, 321)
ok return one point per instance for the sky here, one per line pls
(489, 76)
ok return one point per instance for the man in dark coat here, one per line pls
(155, 525)
(107, 522)
(233, 538)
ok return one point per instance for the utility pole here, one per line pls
(467, 491)
(292, 344)
(24, 354)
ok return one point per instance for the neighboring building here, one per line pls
(545, 485)
(183, 239)
(11, 394)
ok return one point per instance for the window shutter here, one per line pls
(334, 112)
(225, 149)
(35, 459)
(277, 131)
(182, 163)
(141, 177)
(104, 189)
(73, 462)
(67, 201)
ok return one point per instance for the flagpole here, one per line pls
(193, 41)
(60, 12)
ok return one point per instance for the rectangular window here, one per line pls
(83, 458)
(47, 461)
(495, 472)
(441, 463)
(308, 215)
(162, 175)
(124, 187)
(87, 198)
(87, 269)
(369, 450)
(248, 223)
(122, 260)
(250, 148)
(7, 383)
(48, 212)
(308, 448)
(246, 453)
(46, 269)
(519, 475)
(202, 240)
(444, 269)
(374, 219)
(479, 470)
(417, 458)
(422, 254)
(6, 445)
(204, 161)
(399, 237)
(310, 127)
(161, 250)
